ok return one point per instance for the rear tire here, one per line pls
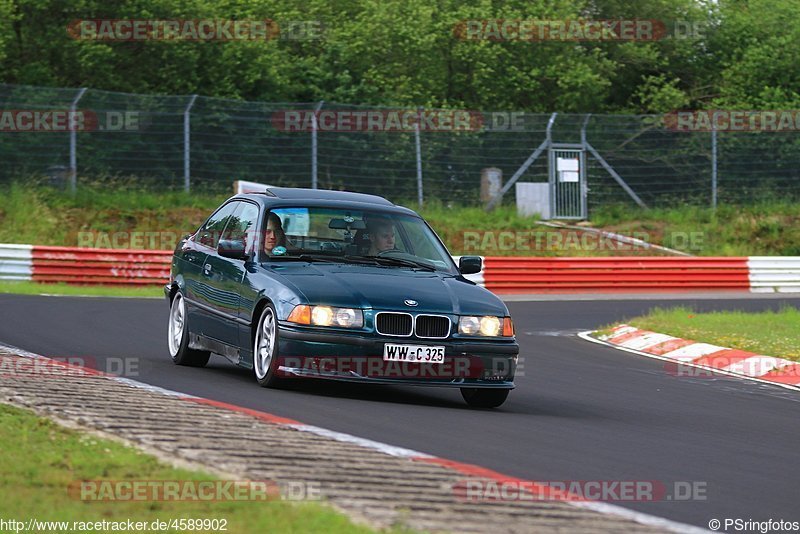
(179, 337)
(265, 349)
(484, 398)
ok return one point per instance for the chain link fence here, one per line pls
(204, 144)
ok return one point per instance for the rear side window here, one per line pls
(211, 231)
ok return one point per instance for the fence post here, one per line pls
(713, 166)
(584, 169)
(187, 154)
(528, 162)
(314, 181)
(583, 129)
(420, 196)
(73, 143)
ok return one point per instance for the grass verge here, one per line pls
(772, 333)
(34, 288)
(108, 215)
(762, 228)
(40, 459)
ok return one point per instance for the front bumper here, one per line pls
(357, 357)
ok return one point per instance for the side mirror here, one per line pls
(232, 248)
(470, 264)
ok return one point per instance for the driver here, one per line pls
(274, 236)
(381, 236)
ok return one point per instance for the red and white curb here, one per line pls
(691, 354)
(458, 467)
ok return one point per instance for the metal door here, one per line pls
(567, 170)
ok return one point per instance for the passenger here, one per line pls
(381, 236)
(274, 236)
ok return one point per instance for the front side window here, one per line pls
(242, 225)
(209, 235)
(357, 236)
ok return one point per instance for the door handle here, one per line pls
(207, 268)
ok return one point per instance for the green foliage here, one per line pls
(758, 49)
(410, 53)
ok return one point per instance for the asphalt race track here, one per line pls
(580, 411)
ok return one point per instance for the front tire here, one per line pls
(265, 349)
(484, 398)
(179, 337)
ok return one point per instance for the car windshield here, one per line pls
(354, 236)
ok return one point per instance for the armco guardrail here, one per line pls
(502, 275)
(15, 262)
(84, 265)
(534, 275)
(774, 273)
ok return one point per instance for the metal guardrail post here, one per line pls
(187, 155)
(314, 167)
(73, 142)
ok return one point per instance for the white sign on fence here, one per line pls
(568, 169)
(242, 186)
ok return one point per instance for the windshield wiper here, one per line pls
(308, 257)
(403, 262)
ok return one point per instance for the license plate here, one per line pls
(413, 353)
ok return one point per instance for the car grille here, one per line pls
(394, 324)
(433, 326)
(403, 324)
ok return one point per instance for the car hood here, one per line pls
(387, 288)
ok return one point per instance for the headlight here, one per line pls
(488, 326)
(326, 316)
(469, 325)
(322, 315)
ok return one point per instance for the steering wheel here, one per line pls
(385, 252)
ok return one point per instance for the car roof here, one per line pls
(294, 196)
